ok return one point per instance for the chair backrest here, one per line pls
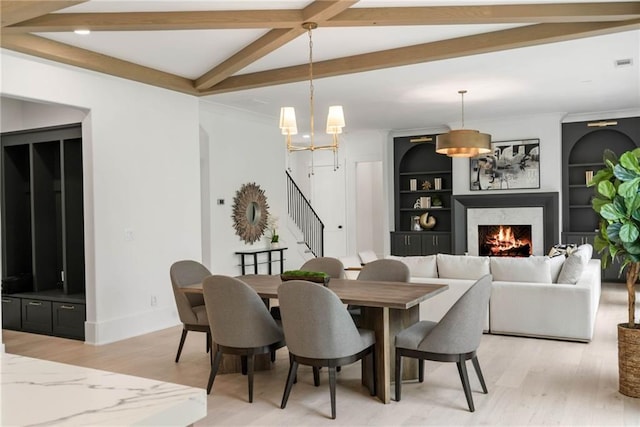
(367, 256)
(331, 266)
(387, 270)
(183, 273)
(460, 330)
(316, 323)
(237, 315)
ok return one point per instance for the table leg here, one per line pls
(242, 263)
(387, 323)
(255, 263)
(281, 261)
(269, 258)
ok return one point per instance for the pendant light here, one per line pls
(463, 142)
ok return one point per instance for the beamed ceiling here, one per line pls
(244, 45)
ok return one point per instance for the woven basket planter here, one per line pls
(629, 359)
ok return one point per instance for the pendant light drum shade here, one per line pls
(463, 143)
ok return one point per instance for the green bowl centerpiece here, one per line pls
(309, 276)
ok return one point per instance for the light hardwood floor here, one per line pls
(530, 381)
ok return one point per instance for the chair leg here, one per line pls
(316, 376)
(332, 391)
(293, 369)
(182, 338)
(243, 362)
(421, 370)
(462, 370)
(273, 356)
(250, 360)
(476, 365)
(214, 370)
(208, 341)
(398, 375)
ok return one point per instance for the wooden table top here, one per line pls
(358, 292)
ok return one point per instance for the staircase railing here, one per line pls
(307, 220)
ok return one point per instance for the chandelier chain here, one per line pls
(311, 88)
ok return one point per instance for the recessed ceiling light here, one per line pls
(82, 32)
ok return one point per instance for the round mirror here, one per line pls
(250, 212)
(253, 213)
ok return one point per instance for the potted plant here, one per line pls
(272, 231)
(617, 203)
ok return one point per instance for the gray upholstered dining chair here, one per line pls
(454, 339)
(320, 332)
(191, 308)
(240, 324)
(331, 266)
(388, 270)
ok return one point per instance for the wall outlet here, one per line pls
(154, 300)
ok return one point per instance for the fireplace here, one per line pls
(505, 240)
(540, 210)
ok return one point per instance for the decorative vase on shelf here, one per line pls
(274, 245)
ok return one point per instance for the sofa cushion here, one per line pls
(462, 267)
(555, 265)
(575, 264)
(534, 269)
(419, 266)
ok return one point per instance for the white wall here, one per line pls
(141, 173)
(243, 148)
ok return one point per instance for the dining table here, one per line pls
(387, 308)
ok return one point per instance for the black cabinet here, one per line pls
(68, 319)
(406, 244)
(583, 144)
(420, 174)
(11, 313)
(42, 218)
(420, 243)
(36, 316)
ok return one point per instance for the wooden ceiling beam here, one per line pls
(12, 12)
(60, 52)
(354, 17)
(531, 35)
(317, 11)
(159, 21)
(496, 14)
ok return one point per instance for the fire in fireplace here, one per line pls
(504, 240)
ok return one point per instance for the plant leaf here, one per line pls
(609, 156)
(633, 248)
(630, 162)
(629, 232)
(629, 188)
(610, 213)
(613, 232)
(632, 204)
(636, 215)
(618, 203)
(600, 244)
(606, 189)
(598, 203)
(601, 175)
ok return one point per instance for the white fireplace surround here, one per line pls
(506, 216)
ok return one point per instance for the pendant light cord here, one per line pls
(311, 109)
(462, 92)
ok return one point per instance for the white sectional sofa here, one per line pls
(537, 296)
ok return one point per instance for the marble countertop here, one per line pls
(39, 392)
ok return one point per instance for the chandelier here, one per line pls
(463, 142)
(335, 119)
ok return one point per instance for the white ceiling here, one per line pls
(572, 77)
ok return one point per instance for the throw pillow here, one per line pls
(419, 266)
(574, 265)
(533, 269)
(462, 267)
(562, 249)
(555, 265)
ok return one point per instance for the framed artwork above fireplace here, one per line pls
(511, 165)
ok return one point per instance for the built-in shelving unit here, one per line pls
(43, 266)
(415, 159)
(583, 144)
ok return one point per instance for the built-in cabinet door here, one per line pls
(68, 320)
(36, 316)
(406, 244)
(11, 313)
(436, 243)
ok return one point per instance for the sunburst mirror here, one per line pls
(250, 212)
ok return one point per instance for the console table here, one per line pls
(255, 252)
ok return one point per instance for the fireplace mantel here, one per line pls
(547, 201)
